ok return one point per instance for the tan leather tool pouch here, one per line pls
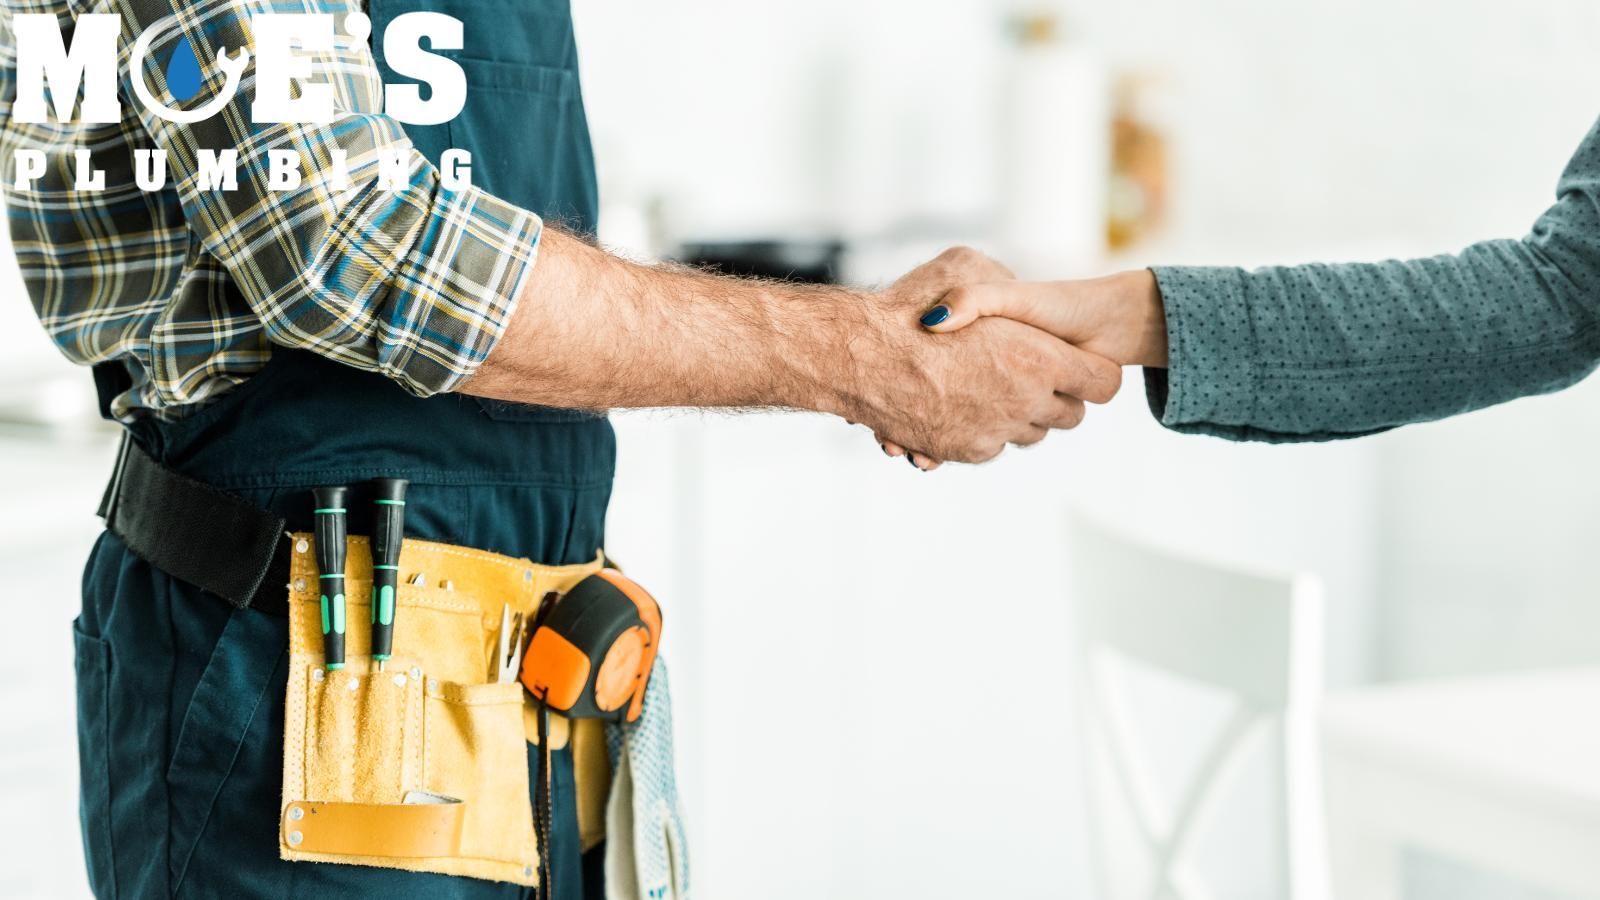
(423, 766)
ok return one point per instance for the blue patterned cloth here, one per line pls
(647, 855)
(1316, 352)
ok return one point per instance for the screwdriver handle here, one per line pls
(330, 533)
(388, 532)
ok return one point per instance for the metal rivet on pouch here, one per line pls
(447, 584)
(399, 681)
(527, 871)
(527, 574)
(299, 584)
(301, 546)
(316, 675)
(419, 578)
(295, 838)
(296, 813)
(416, 672)
(353, 684)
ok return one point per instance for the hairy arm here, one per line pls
(591, 330)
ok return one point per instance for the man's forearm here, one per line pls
(595, 331)
(592, 330)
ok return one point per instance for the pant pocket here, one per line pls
(234, 692)
(93, 663)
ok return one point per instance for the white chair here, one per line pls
(1256, 638)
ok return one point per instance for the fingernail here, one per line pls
(936, 315)
(884, 448)
(913, 461)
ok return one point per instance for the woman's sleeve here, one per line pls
(1320, 352)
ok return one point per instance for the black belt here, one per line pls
(198, 534)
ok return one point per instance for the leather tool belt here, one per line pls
(424, 766)
(420, 767)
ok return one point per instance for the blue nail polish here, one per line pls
(936, 315)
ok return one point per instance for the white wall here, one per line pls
(43, 554)
(1301, 131)
(1412, 127)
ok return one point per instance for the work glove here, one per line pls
(647, 857)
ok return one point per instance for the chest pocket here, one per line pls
(523, 121)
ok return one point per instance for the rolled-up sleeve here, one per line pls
(1319, 352)
(417, 283)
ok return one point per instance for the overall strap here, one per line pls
(196, 533)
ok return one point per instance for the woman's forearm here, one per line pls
(1318, 352)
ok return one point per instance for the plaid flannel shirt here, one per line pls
(191, 288)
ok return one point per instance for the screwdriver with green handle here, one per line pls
(388, 532)
(330, 535)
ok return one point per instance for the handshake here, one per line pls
(962, 359)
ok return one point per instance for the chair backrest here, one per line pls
(1255, 638)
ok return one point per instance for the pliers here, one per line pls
(508, 656)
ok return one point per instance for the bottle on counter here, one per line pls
(1137, 196)
(1054, 150)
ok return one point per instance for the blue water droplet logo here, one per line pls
(183, 72)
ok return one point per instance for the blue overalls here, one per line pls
(181, 697)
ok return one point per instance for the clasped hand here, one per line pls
(965, 359)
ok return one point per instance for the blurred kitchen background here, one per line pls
(873, 666)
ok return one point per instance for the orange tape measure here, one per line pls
(592, 652)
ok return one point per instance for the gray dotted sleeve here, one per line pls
(1320, 352)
